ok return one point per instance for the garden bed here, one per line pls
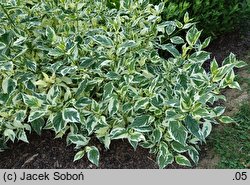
(46, 152)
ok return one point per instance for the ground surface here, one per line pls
(47, 152)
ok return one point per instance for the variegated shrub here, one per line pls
(88, 71)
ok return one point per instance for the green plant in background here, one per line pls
(88, 70)
(213, 16)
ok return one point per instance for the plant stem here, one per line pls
(8, 16)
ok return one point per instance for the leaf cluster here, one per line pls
(85, 70)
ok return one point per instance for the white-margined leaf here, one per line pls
(68, 70)
(82, 102)
(31, 101)
(193, 126)
(53, 94)
(178, 147)
(8, 85)
(103, 40)
(192, 35)
(77, 139)
(193, 154)
(178, 132)
(177, 40)
(118, 133)
(136, 136)
(21, 135)
(35, 114)
(10, 134)
(140, 121)
(37, 125)
(141, 103)
(182, 160)
(58, 122)
(79, 155)
(113, 106)
(226, 119)
(91, 123)
(108, 89)
(50, 33)
(206, 128)
(164, 157)
(71, 115)
(93, 155)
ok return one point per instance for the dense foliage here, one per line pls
(213, 16)
(85, 70)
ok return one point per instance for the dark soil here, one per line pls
(46, 152)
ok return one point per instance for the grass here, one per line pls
(232, 143)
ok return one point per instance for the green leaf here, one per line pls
(178, 147)
(93, 155)
(8, 85)
(79, 155)
(37, 125)
(199, 57)
(121, 51)
(206, 43)
(83, 102)
(214, 67)
(219, 110)
(2, 45)
(113, 106)
(118, 133)
(194, 154)
(71, 115)
(226, 119)
(31, 65)
(35, 114)
(178, 132)
(177, 40)
(234, 85)
(56, 52)
(58, 122)
(108, 89)
(164, 157)
(182, 160)
(139, 121)
(77, 139)
(186, 18)
(68, 70)
(157, 135)
(193, 126)
(240, 64)
(136, 136)
(91, 123)
(81, 88)
(170, 27)
(10, 134)
(103, 40)
(31, 101)
(50, 33)
(53, 94)
(141, 103)
(171, 49)
(128, 44)
(20, 115)
(222, 71)
(7, 66)
(21, 135)
(192, 36)
(206, 128)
